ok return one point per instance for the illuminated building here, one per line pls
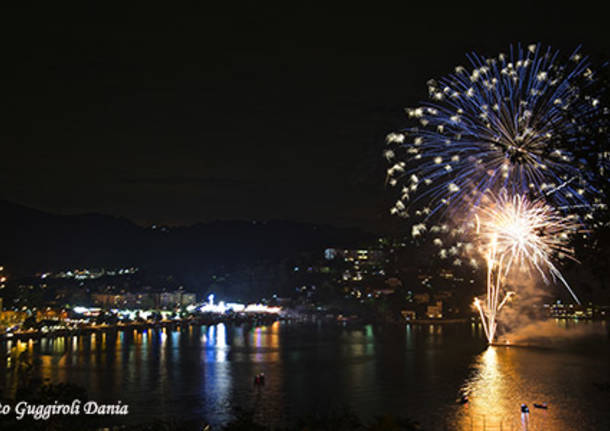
(408, 314)
(177, 298)
(363, 256)
(435, 311)
(421, 298)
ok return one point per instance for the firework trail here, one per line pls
(516, 234)
(511, 122)
(505, 142)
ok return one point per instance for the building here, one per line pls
(108, 300)
(408, 314)
(362, 256)
(178, 298)
(435, 311)
(569, 311)
(51, 314)
(122, 300)
(442, 295)
(11, 318)
(421, 298)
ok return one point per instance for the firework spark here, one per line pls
(497, 126)
(516, 234)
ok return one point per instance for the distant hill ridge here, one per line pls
(33, 240)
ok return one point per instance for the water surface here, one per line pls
(415, 371)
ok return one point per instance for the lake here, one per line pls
(416, 371)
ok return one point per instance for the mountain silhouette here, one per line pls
(36, 241)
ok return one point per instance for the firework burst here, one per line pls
(516, 234)
(497, 126)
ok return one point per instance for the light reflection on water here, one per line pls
(506, 377)
(487, 390)
(416, 371)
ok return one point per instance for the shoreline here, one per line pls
(38, 334)
(173, 325)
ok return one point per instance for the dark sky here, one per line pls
(177, 115)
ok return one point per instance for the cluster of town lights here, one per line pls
(207, 307)
(235, 307)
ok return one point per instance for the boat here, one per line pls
(259, 379)
(524, 409)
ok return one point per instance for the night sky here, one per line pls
(180, 115)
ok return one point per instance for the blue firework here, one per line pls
(509, 122)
